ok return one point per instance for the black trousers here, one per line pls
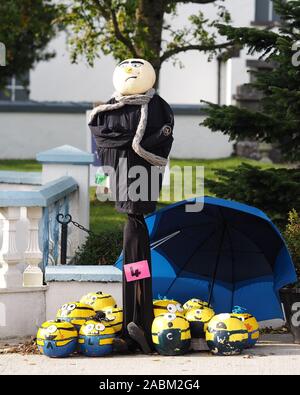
(137, 295)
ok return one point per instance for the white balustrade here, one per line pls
(33, 275)
(10, 276)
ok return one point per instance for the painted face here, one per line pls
(171, 334)
(134, 76)
(98, 300)
(167, 306)
(93, 328)
(226, 335)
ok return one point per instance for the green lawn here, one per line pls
(103, 215)
(105, 218)
(20, 165)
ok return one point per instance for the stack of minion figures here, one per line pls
(90, 326)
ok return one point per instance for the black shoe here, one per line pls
(120, 346)
(124, 346)
(138, 335)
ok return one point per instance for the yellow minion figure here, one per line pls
(57, 339)
(226, 335)
(171, 334)
(114, 316)
(165, 306)
(199, 319)
(195, 303)
(99, 301)
(76, 313)
(96, 338)
(250, 323)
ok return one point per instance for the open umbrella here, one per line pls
(229, 254)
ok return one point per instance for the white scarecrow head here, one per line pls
(133, 76)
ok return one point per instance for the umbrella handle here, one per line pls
(212, 285)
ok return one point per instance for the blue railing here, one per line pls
(53, 197)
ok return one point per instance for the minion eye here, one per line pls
(171, 317)
(198, 312)
(172, 308)
(93, 298)
(100, 327)
(90, 327)
(64, 307)
(52, 329)
(109, 311)
(71, 307)
(179, 308)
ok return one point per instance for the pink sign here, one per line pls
(137, 271)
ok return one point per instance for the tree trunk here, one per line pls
(150, 18)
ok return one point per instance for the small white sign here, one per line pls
(2, 55)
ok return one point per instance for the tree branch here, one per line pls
(168, 54)
(109, 14)
(127, 42)
(103, 9)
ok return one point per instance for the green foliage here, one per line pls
(256, 40)
(278, 120)
(235, 121)
(292, 237)
(274, 191)
(26, 27)
(100, 249)
(136, 28)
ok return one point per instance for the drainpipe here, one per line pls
(219, 66)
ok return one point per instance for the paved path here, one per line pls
(275, 354)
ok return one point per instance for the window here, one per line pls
(16, 89)
(264, 12)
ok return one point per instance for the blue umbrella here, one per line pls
(228, 254)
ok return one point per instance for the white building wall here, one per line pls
(26, 134)
(194, 141)
(59, 80)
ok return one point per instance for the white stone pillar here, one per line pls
(33, 275)
(10, 276)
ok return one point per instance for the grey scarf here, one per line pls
(139, 100)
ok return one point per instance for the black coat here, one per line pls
(114, 132)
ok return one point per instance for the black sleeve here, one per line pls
(161, 141)
(100, 119)
(99, 127)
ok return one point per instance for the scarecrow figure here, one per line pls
(133, 134)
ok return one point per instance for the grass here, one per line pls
(103, 216)
(20, 165)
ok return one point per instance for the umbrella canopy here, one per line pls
(229, 254)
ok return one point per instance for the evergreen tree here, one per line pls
(278, 120)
